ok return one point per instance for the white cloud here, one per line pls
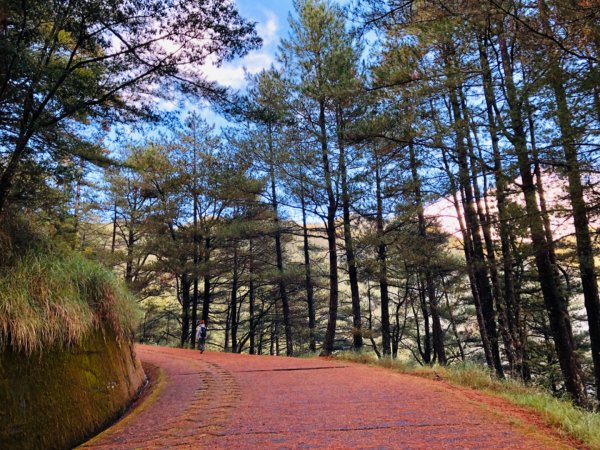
(268, 30)
(167, 105)
(232, 73)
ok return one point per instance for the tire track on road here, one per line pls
(195, 403)
(232, 401)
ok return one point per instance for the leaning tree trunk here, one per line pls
(485, 225)
(552, 289)
(468, 250)
(539, 183)
(585, 251)
(510, 299)
(467, 245)
(473, 227)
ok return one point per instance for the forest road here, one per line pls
(230, 401)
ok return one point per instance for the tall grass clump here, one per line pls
(53, 297)
(559, 413)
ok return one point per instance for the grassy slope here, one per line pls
(54, 300)
(66, 363)
(561, 414)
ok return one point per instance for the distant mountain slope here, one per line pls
(556, 193)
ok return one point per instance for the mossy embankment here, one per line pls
(67, 364)
(58, 398)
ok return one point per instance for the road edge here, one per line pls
(157, 381)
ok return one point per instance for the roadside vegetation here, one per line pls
(51, 296)
(557, 412)
(410, 178)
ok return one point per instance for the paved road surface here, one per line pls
(225, 401)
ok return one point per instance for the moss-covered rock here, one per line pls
(58, 398)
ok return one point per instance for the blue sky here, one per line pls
(271, 17)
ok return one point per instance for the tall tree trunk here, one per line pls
(207, 281)
(329, 341)
(509, 297)
(468, 250)
(227, 327)
(251, 300)
(263, 329)
(275, 334)
(453, 321)
(185, 307)
(278, 250)
(370, 322)
(194, 319)
(539, 182)
(587, 270)
(438, 334)
(552, 289)
(233, 303)
(312, 346)
(473, 228)
(485, 225)
(426, 347)
(196, 241)
(398, 328)
(357, 338)
(283, 295)
(382, 263)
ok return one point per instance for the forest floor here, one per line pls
(230, 401)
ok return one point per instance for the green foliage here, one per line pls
(321, 51)
(70, 65)
(53, 297)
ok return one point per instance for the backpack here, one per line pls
(202, 332)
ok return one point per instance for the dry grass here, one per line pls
(562, 414)
(48, 301)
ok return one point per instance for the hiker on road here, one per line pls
(201, 336)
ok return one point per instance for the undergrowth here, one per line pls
(52, 297)
(561, 414)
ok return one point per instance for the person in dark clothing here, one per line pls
(201, 336)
